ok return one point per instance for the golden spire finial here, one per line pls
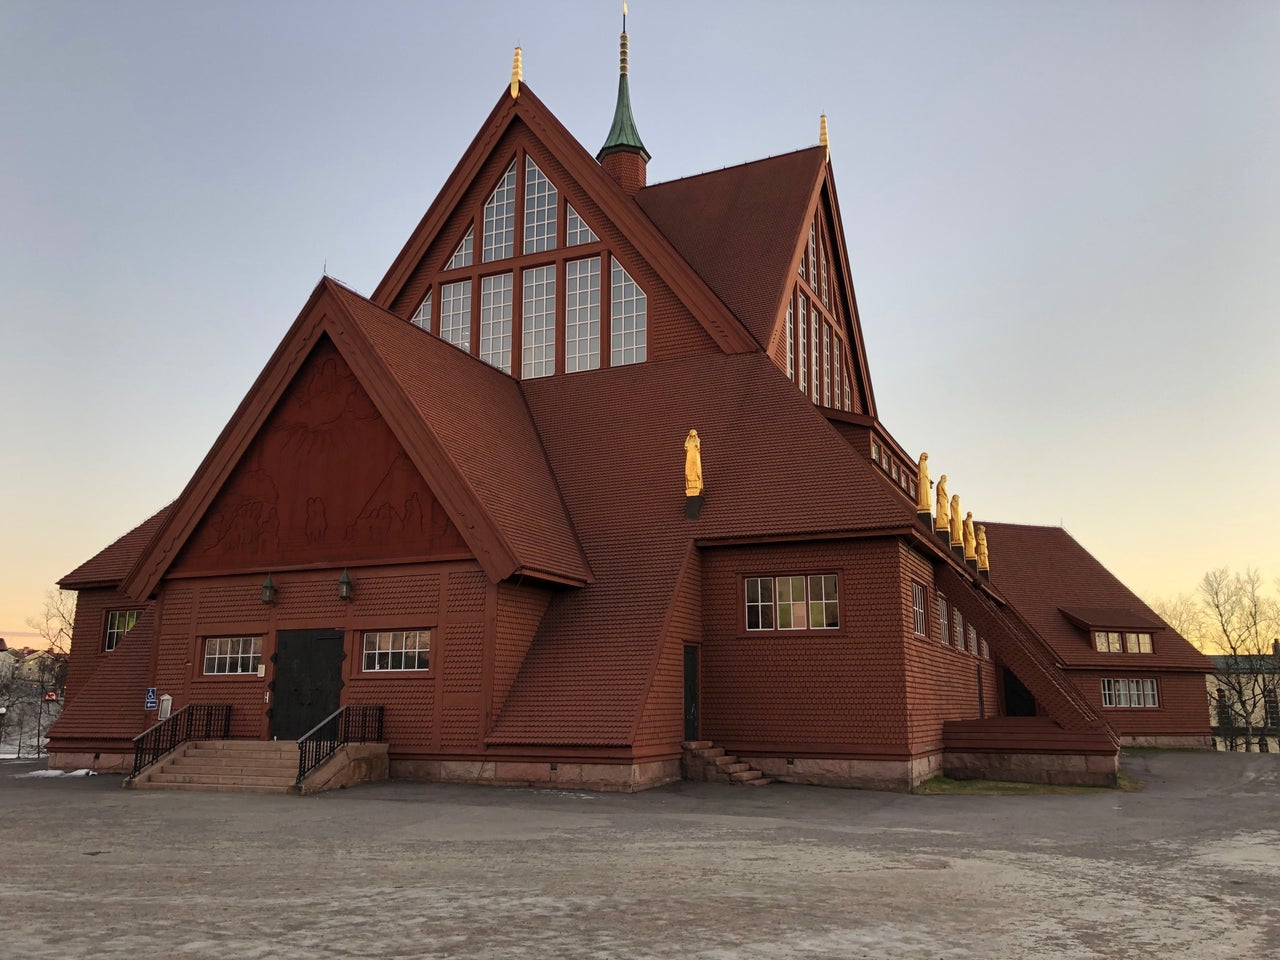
(823, 141)
(622, 49)
(517, 73)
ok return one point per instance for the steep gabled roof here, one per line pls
(462, 423)
(1042, 570)
(108, 566)
(738, 228)
(774, 469)
(719, 322)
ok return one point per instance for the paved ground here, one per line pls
(1187, 868)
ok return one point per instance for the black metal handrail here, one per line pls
(195, 721)
(354, 723)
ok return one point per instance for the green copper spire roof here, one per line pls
(623, 135)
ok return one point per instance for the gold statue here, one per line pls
(922, 484)
(943, 511)
(692, 465)
(970, 542)
(984, 560)
(957, 523)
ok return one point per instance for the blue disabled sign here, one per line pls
(152, 702)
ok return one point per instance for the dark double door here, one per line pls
(308, 680)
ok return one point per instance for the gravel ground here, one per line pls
(1185, 868)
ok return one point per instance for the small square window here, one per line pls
(119, 622)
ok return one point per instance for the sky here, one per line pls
(1063, 223)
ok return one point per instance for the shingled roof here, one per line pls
(108, 566)
(738, 228)
(773, 465)
(1045, 573)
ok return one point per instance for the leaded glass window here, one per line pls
(538, 325)
(826, 365)
(455, 314)
(500, 218)
(803, 357)
(837, 377)
(463, 255)
(540, 202)
(815, 353)
(576, 229)
(422, 316)
(582, 314)
(495, 321)
(628, 314)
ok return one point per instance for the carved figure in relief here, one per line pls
(970, 542)
(943, 508)
(317, 524)
(957, 522)
(984, 559)
(923, 483)
(692, 465)
(411, 525)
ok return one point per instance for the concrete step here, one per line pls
(757, 782)
(697, 744)
(732, 768)
(724, 760)
(272, 748)
(227, 779)
(250, 768)
(212, 787)
(745, 776)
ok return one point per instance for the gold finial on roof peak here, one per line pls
(823, 139)
(517, 73)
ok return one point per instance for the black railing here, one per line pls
(195, 721)
(354, 723)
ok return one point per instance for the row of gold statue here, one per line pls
(947, 518)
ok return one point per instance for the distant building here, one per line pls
(475, 500)
(1244, 700)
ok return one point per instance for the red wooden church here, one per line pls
(464, 502)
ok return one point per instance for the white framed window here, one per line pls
(500, 218)
(582, 314)
(232, 655)
(462, 257)
(826, 365)
(986, 651)
(541, 200)
(495, 321)
(538, 323)
(822, 248)
(919, 611)
(957, 629)
(803, 357)
(396, 650)
(576, 229)
(973, 639)
(815, 341)
(455, 314)
(944, 619)
(875, 452)
(793, 602)
(791, 335)
(628, 319)
(422, 316)
(1137, 643)
(1126, 692)
(848, 394)
(837, 378)
(119, 622)
(813, 255)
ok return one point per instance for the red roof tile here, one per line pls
(586, 673)
(738, 228)
(108, 566)
(1043, 572)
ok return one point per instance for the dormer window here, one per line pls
(1111, 641)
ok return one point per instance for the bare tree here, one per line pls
(32, 695)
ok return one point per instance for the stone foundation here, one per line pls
(898, 775)
(611, 777)
(1091, 770)
(98, 762)
(1169, 742)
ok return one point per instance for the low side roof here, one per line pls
(1041, 570)
(737, 227)
(108, 704)
(108, 566)
(773, 467)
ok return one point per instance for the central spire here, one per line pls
(624, 138)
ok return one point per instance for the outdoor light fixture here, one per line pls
(344, 586)
(268, 591)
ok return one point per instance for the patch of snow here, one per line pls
(57, 773)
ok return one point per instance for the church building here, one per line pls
(594, 491)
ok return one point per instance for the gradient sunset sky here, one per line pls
(1063, 221)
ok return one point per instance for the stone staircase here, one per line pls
(703, 760)
(241, 766)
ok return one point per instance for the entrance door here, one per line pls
(308, 681)
(690, 692)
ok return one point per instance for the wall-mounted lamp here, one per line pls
(268, 591)
(344, 586)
